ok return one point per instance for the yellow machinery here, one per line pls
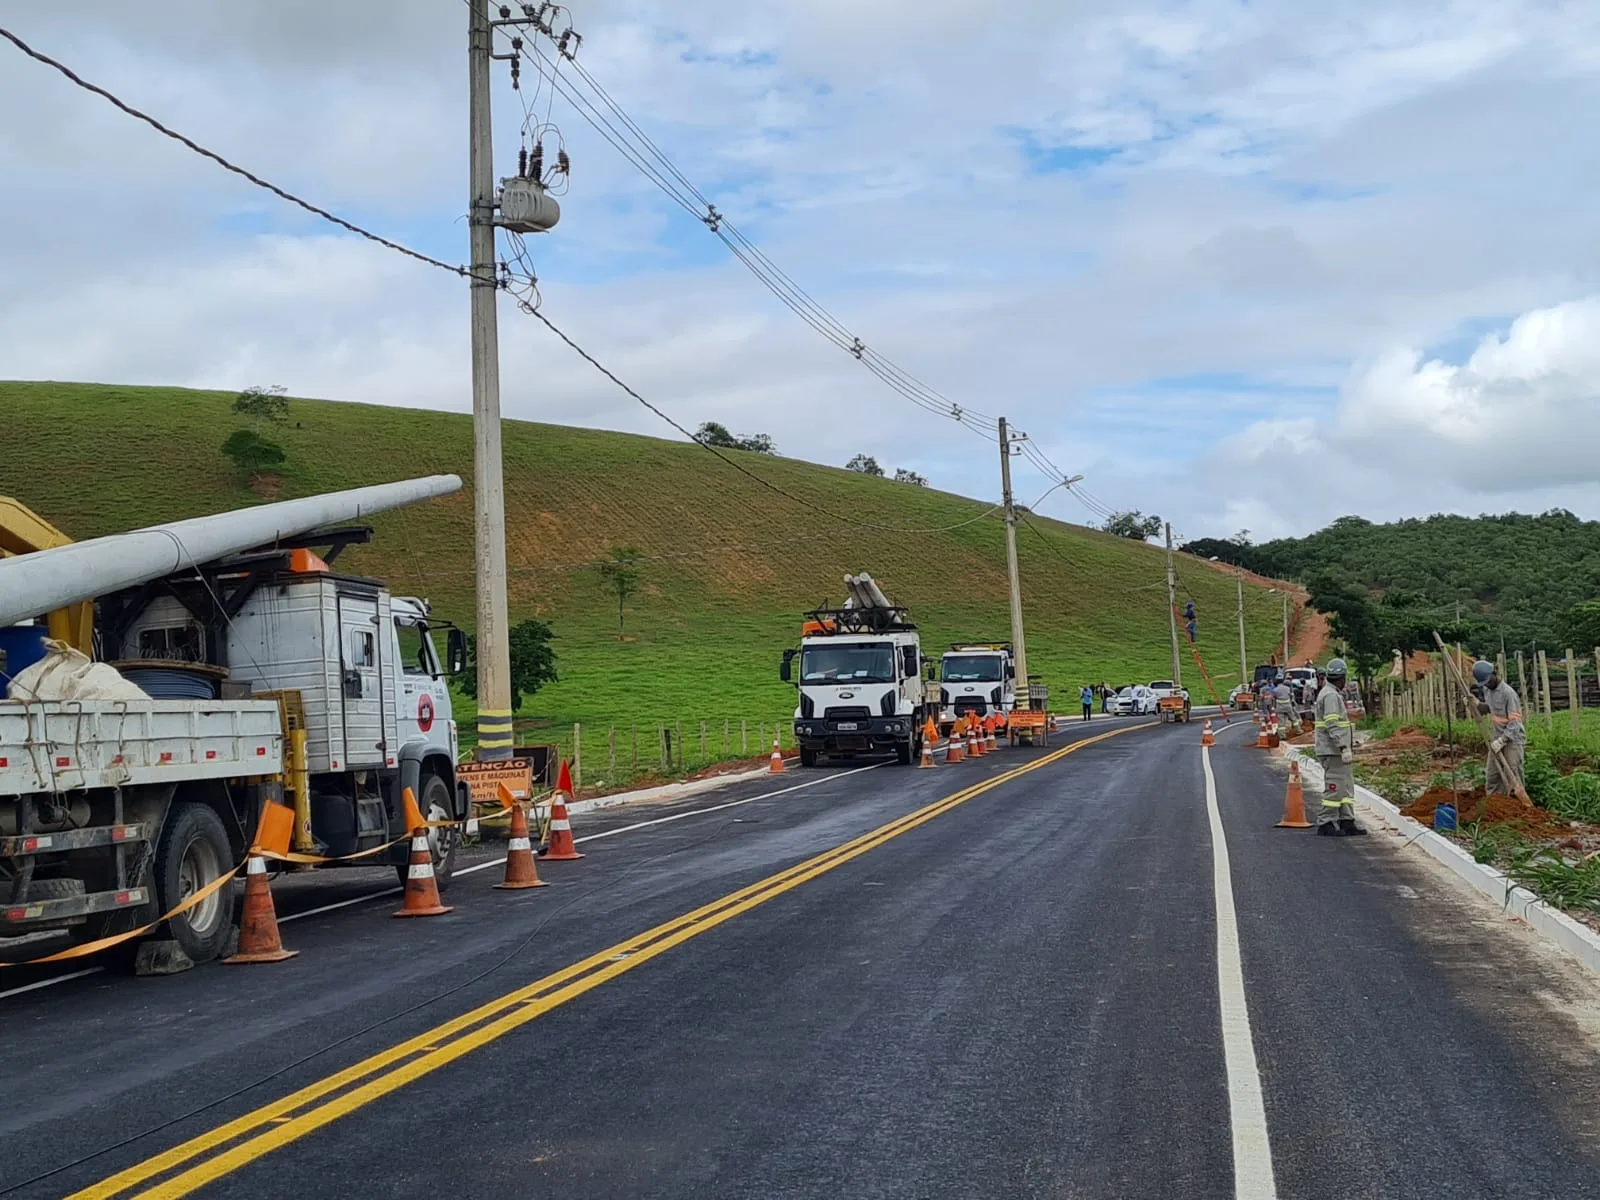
(23, 531)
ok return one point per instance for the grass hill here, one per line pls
(1515, 577)
(730, 565)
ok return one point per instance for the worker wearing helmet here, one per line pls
(1501, 704)
(1335, 746)
(1284, 696)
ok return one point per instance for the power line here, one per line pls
(737, 466)
(222, 162)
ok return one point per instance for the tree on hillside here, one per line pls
(864, 464)
(533, 662)
(1133, 525)
(903, 475)
(251, 452)
(713, 433)
(758, 443)
(1580, 625)
(263, 405)
(621, 575)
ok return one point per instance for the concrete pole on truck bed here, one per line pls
(1172, 612)
(488, 479)
(1019, 647)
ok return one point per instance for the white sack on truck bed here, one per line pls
(68, 674)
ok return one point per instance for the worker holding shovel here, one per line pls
(1501, 704)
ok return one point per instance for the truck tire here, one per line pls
(442, 839)
(193, 851)
(905, 752)
(808, 757)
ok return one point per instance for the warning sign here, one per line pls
(483, 779)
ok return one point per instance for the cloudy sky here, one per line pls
(1244, 264)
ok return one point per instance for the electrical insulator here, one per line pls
(538, 162)
(522, 163)
(525, 207)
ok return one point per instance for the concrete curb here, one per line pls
(669, 791)
(1572, 936)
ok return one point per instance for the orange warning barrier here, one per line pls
(562, 848)
(1294, 802)
(521, 870)
(258, 927)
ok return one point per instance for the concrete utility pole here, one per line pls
(1244, 659)
(1286, 629)
(1172, 611)
(1019, 647)
(488, 480)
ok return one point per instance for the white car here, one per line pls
(1135, 701)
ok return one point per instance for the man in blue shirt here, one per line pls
(1087, 696)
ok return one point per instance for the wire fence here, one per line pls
(612, 756)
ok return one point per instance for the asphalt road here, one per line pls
(886, 983)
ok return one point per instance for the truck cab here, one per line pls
(980, 679)
(859, 679)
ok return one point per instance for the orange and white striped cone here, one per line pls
(258, 927)
(989, 727)
(952, 748)
(521, 870)
(975, 746)
(776, 765)
(562, 848)
(421, 897)
(930, 735)
(1294, 802)
(1261, 735)
(1207, 738)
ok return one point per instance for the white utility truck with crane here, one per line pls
(236, 666)
(860, 679)
(977, 678)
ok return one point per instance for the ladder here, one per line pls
(1206, 675)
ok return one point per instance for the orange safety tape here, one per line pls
(115, 939)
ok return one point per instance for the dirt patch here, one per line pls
(1497, 810)
(267, 484)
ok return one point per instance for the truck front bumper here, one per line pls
(818, 733)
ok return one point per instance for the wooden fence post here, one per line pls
(611, 739)
(681, 746)
(1522, 684)
(633, 729)
(761, 733)
(1544, 689)
(726, 724)
(666, 757)
(744, 737)
(577, 755)
(704, 751)
(1574, 701)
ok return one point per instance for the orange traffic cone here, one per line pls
(258, 928)
(1294, 802)
(521, 871)
(1207, 738)
(930, 735)
(975, 746)
(562, 847)
(952, 751)
(421, 897)
(989, 727)
(1272, 735)
(1261, 735)
(777, 757)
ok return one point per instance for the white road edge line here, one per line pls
(494, 862)
(1252, 1149)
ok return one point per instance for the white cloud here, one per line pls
(1297, 196)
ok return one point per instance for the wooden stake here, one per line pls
(633, 730)
(1487, 728)
(577, 755)
(744, 737)
(666, 757)
(1522, 683)
(703, 750)
(611, 742)
(1544, 689)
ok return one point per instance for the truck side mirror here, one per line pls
(933, 673)
(786, 668)
(455, 652)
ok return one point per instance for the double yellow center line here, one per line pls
(239, 1142)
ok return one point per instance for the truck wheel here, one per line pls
(442, 839)
(808, 757)
(905, 752)
(192, 853)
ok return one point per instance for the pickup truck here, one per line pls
(1172, 700)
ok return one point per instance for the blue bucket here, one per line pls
(1444, 818)
(20, 646)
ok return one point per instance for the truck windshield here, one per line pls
(972, 668)
(858, 663)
